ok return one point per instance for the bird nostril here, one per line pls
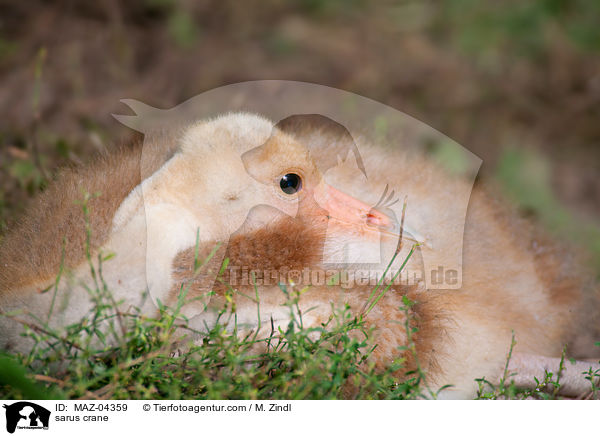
(372, 220)
(376, 219)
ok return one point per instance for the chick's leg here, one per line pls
(524, 367)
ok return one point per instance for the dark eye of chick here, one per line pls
(291, 183)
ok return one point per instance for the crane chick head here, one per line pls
(238, 163)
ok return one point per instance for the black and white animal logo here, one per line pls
(26, 415)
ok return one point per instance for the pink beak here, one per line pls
(351, 211)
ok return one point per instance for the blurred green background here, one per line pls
(517, 82)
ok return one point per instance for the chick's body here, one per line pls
(157, 204)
